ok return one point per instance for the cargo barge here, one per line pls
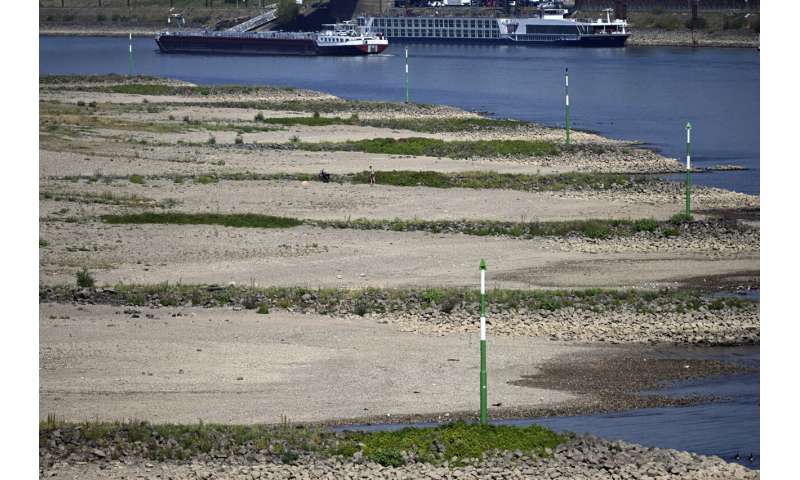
(344, 38)
(548, 27)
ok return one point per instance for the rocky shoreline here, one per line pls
(581, 457)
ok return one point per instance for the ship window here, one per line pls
(472, 23)
(550, 29)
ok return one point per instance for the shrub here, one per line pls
(388, 457)
(700, 23)
(289, 457)
(137, 179)
(645, 225)
(212, 140)
(316, 114)
(81, 103)
(259, 117)
(205, 179)
(178, 179)
(186, 119)
(733, 22)
(84, 279)
(238, 140)
(263, 309)
(680, 218)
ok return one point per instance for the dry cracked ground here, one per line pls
(107, 148)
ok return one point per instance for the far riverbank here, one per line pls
(640, 38)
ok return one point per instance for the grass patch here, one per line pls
(432, 147)
(249, 220)
(137, 179)
(459, 440)
(84, 279)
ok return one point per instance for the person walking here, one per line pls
(371, 176)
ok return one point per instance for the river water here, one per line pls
(640, 93)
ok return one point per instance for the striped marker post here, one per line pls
(688, 169)
(484, 392)
(566, 104)
(130, 54)
(406, 74)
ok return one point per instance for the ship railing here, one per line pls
(547, 37)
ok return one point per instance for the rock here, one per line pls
(98, 453)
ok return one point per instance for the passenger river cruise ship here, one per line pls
(548, 27)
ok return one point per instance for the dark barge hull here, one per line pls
(249, 46)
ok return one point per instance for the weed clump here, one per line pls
(84, 279)
(137, 179)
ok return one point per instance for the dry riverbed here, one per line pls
(109, 146)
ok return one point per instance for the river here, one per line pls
(634, 93)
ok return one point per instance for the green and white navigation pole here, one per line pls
(484, 393)
(130, 54)
(406, 74)
(688, 169)
(566, 102)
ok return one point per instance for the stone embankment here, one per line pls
(583, 457)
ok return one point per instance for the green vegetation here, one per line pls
(43, 242)
(263, 309)
(249, 220)
(384, 300)
(711, 21)
(287, 11)
(287, 442)
(108, 198)
(429, 125)
(591, 228)
(438, 148)
(205, 179)
(506, 181)
(84, 279)
(458, 440)
(142, 89)
(681, 218)
(137, 179)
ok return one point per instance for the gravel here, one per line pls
(584, 457)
